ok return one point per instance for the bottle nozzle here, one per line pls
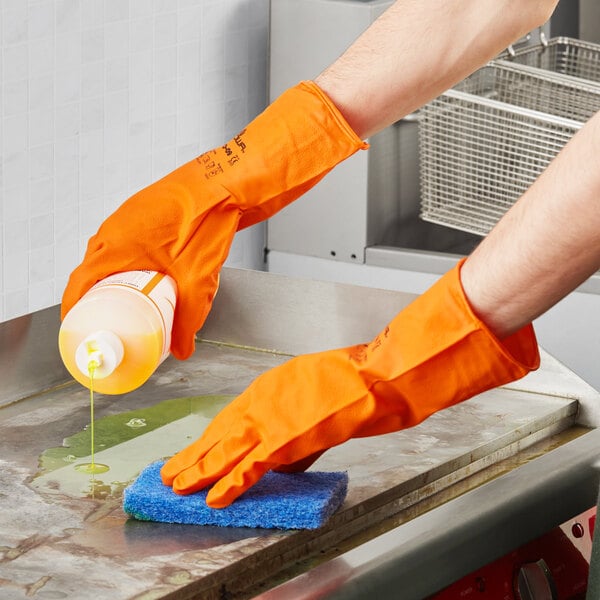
(94, 360)
(99, 353)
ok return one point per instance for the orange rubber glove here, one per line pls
(434, 353)
(183, 225)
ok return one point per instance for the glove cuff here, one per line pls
(470, 355)
(301, 136)
(516, 354)
(437, 352)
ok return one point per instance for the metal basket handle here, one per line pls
(511, 50)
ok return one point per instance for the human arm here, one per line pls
(336, 396)
(546, 245)
(435, 353)
(419, 48)
(183, 224)
(549, 242)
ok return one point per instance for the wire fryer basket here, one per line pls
(568, 56)
(484, 142)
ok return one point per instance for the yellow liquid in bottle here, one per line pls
(142, 355)
(132, 316)
(92, 467)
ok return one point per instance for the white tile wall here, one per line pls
(99, 98)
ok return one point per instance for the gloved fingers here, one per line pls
(110, 251)
(221, 429)
(239, 479)
(186, 323)
(220, 460)
(74, 290)
(191, 455)
(197, 278)
(183, 460)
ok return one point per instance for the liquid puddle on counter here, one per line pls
(127, 442)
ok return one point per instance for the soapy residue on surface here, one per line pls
(122, 442)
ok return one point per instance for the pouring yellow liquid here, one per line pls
(93, 468)
(116, 335)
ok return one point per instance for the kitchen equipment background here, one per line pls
(565, 55)
(361, 224)
(484, 142)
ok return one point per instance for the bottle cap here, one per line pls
(103, 349)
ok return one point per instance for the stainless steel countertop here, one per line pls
(56, 543)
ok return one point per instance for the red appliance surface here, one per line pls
(560, 558)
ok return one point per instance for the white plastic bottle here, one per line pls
(122, 326)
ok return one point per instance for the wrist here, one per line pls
(487, 304)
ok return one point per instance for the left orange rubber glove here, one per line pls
(183, 225)
(434, 353)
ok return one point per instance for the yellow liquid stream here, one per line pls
(92, 467)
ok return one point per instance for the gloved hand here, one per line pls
(434, 353)
(183, 225)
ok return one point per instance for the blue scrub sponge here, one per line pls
(277, 501)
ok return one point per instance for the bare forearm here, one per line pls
(549, 242)
(546, 245)
(419, 48)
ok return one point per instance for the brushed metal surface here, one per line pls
(29, 359)
(57, 540)
(58, 544)
(252, 308)
(296, 316)
(425, 555)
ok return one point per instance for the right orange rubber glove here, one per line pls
(434, 353)
(183, 225)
